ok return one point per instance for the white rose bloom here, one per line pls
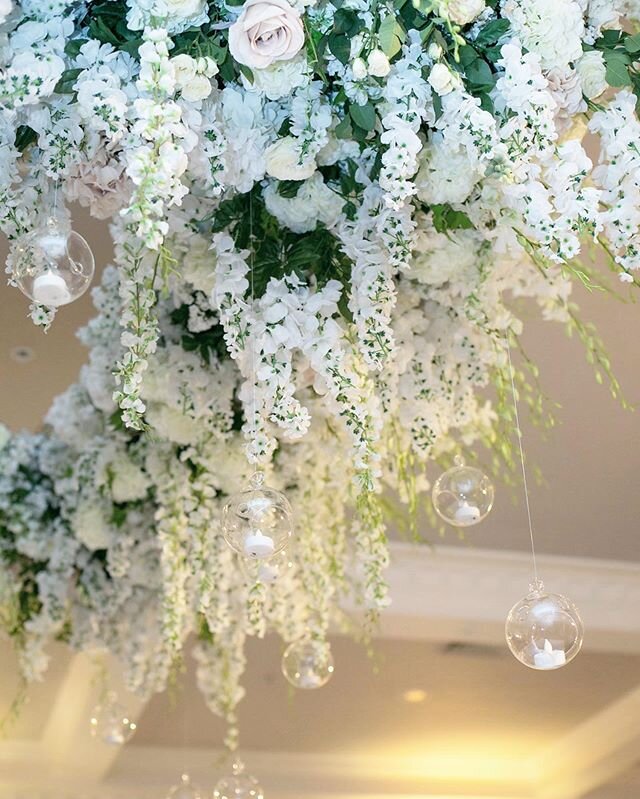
(553, 29)
(184, 68)
(378, 64)
(314, 202)
(198, 88)
(462, 12)
(266, 31)
(441, 79)
(592, 70)
(283, 161)
(91, 527)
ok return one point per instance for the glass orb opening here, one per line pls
(257, 523)
(53, 264)
(544, 631)
(463, 495)
(308, 664)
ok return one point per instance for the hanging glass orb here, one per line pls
(308, 664)
(110, 723)
(463, 495)
(257, 523)
(53, 264)
(238, 785)
(544, 631)
(184, 790)
(266, 571)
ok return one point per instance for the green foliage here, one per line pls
(364, 116)
(276, 251)
(25, 136)
(391, 36)
(446, 218)
(620, 50)
(206, 343)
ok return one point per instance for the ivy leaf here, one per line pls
(340, 47)
(617, 71)
(364, 116)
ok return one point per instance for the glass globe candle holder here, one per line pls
(109, 722)
(184, 790)
(463, 495)
(308, 664)
(544, 631)
(257, 523)
(238, 785)
(53, 264)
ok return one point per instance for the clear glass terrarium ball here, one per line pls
(184, 790)
(257, 523)
(544, 631)
(110, 723)
(53, 264)
(308, 664)
(238, 785)
(463, 495)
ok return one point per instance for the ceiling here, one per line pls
(488, 727)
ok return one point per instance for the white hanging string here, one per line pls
(522, 463)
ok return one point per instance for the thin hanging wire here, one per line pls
(522, 464)
(254, 368)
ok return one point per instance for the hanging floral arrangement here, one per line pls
(323, 214)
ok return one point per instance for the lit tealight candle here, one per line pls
(548, 657)
(258, 545)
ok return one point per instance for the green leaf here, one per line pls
(617, 72)
(67, 81)
(491, 32)
(479, 73)
(72, 48)
(343, 129)
(390, 36)
(364, 116)
(340, 47)
(289, 188)
(347, 21)
(632, 43)
(24, 137)
(445, 218)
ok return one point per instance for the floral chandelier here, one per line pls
(323, 216)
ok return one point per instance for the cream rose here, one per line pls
(283, 161)
(592, 72)
(462, 12)
(441, 79)
(6, 7)
(266, 31)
